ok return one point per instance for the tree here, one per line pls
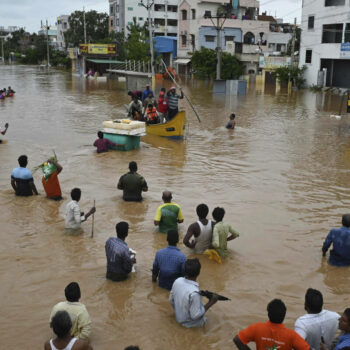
(204, 63)
(96, 27)
(231, 67)
(137, 47)
(297, 42)
(295, 74)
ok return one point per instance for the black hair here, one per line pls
(276, 310)
(130, 93)
(172, 237)
(202, 211)
(163, 89)
(100, 134)
(347, 314)
(150, 105)
(232, 116)
(133, 166)
(23, 161)
(346, 220)
(313, 300)
(75, 194)
(122, 229)
(72, 292)
(61, 324)
(218, 214)
(192, 268)
(132, 347)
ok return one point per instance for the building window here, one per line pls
(111, 22)
(158, 8)
(172, 22)
(311, 22)
(193, 41)
(111, 10)
(65, 25)
(130, 8)
(334, 3)
(140, 18)
(183, 40)
(193, 11)
(332, 33)
(172, 8)
(159, 22)
(249, 38)
(229, 38)
(347, 33)
(184, 15)
(308, 56)
(117, 22)
(116, 8)
(210, 38)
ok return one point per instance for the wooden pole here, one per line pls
(93, 222)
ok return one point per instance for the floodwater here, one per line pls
(282, 176)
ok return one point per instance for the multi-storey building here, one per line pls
(51, 32)
(62, 27)
(163, 13)
(325, 42)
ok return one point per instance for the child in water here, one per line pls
(231, 124)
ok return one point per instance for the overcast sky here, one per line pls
(29, 13)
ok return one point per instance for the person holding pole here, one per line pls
(173, 100)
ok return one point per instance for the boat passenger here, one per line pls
(104, 144)
(222, 233)
(51, 185)
(163, 107)
(137, 93)
(119, 260)
(90, 73)
(151, 115)
(201, 231)
(22, 179)
(231, 124)
(2, 94)
(61, 324)
(173, 100)
(340, 238)
(168, 215)
(146, 92)
(10, 92)
(135, 109)
(132, 184)
(3, 131)
(150, 100)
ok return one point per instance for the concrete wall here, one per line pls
(236, 32)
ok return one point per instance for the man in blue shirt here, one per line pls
(22, 179)
(169, 262)
(146, 92)
(340, 238)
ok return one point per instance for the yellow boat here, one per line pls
(174, 128)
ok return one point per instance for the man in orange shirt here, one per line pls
(51, 185)
(271, 335)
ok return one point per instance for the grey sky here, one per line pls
(29, 13)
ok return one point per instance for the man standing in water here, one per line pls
(202, 231)
(3, 131)
(22, 179)
(132, 184)
(168, 215)
(340, 238)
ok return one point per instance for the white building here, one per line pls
(325, 42)
(62, 27)
(163, 12)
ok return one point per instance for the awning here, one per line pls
(103, 61)
(183, 61)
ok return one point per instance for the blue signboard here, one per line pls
(345, 50)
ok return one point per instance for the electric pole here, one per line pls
(48, 44)
(293, 42)
(84, 58)
(2, 50)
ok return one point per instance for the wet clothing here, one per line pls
(230, 125)
(132, 185)
(203, 241)
(340, 254)
(145, 94)
(73, 215)
(167, 214)
(81, 322)
(169, 264)
(343, 342)
(135, 107)
(152, 116)
(187, 303)
(150, 100)
(68, 347)
(173, 100)
(24, 180)
(272, 336)
(220, 234)
(163, 105)
(119, 263)
(52, 186)
(103, 145)
(312, 327)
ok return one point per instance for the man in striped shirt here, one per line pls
(173, 101)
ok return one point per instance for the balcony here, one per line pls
(162, 14)
(249, 3)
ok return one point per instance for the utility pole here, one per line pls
(84, 24)
(2, 50)
(166, 18)
(293, 42)
(48, 45)
(150, 29)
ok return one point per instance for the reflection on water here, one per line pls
(282, 176)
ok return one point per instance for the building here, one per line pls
(62, 27)
(325, 42)
(244, 33)
(163, 12)
(51, 32)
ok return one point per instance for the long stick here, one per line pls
(93, 222)
(188, 100)
(341, 104)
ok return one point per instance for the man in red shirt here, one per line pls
(103, 144)
(162, 107)
(271, 335)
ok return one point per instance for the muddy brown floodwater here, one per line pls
(282, 176)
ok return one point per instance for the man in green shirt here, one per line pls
(168, 215)
(132, 184)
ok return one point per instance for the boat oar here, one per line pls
(93, 222)
(188, 100)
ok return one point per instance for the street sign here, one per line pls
(345, 50)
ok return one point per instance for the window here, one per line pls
(172, 8)
(193, 41)
(334, 3)
(65, 25)
(159, 21)
(207, 14)
(117, 22)
(183, 40)
(117, 8)
(111, 10)
(308, 56)
(158, 8)
(229, 38)
(111, 22)
(210, 38)
(184, 15)
(249, 38)
(311, 22)
(193, 11)
(347, 33)
(172, 22)
(130, 8)
(140, 18)
(332, 33)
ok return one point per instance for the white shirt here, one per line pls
(312, 326)
(187, 303)
(73, 217)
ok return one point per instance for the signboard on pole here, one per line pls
(98, 49)
(345, 50)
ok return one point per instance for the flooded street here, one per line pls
(282, 176)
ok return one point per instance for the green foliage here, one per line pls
(119, 39)
(297, 42)
(96, 28)
(137, 46)
(315, 88)
(231, 67)
(293, 73)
